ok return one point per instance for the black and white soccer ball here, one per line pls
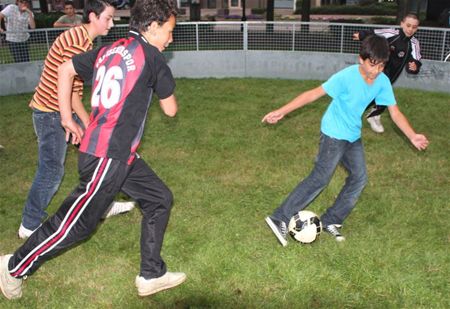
(305, 226)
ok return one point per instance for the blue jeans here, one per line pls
(52, 148)
(331, 153)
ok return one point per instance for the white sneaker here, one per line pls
(151, 286)
(11, 287)
(375, 124)
(117, 208)
(24, 233)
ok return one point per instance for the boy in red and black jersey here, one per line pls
(404, 54)
(124, 76)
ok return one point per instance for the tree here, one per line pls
(306, 10)
(438, 10)
(270, 10)
(409, 6)
(44, 6)
(402, 8)
(270, 15)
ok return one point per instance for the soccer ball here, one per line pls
(305, 226)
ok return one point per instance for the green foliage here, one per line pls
(260, 11)
(383, 20)
(384, 8)
(46, 20)
(227, 172)
(348, 21)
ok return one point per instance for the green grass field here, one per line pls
(227, 172)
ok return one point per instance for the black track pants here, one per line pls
(100, 180)
(375, 110)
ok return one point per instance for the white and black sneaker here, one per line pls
(279, 229)
(332, 229)
(375, 124)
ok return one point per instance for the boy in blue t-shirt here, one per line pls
(351, 89)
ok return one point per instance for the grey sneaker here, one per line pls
(11, 287)
(375, 124)
(279, 229)
(332, 229)
(169, 280)
(117, 208)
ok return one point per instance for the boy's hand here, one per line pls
(419, 141)
(356, 36)
(74, 132)
(412, 66)
(273, 117)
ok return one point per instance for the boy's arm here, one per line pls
(61, 23)
(1, 18)
(414, 64)
(66, 74)
(418, 140)
(413, 67)
(169, 106)
(31, 21)
(362, 34)
(78, 108)
(300, 101)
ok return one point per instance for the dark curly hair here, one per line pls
(144, 12)
(375, 48)
(97, 7)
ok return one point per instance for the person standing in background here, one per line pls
(19, 18)
(70, 19)
(404, 54)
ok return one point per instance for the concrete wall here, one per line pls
(434, 76)
(18, 78)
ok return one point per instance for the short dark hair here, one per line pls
(411, 15)
(144, 12)
(69, 3)
(97, 7)
(375, 48)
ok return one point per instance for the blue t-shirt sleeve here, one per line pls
(386, 95)
(334, 85)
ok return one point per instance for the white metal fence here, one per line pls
(278, 36)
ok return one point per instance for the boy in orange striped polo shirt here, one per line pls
(97, 20)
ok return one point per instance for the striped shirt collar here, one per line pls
(82, 26)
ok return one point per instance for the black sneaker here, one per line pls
(279, 229)
(332, 229)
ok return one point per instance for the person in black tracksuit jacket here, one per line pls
(405, 53)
